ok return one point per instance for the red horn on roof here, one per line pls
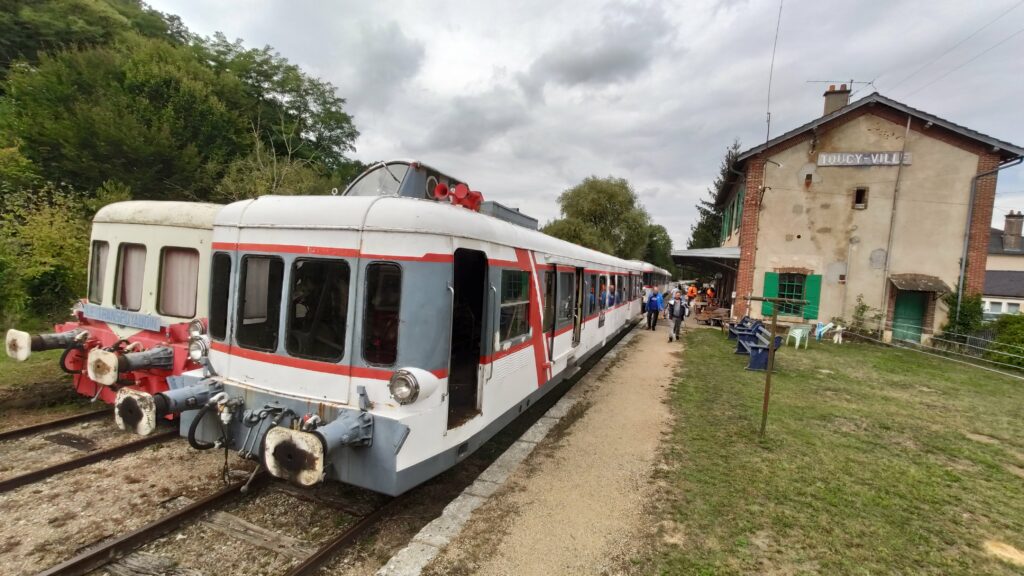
(441, 191)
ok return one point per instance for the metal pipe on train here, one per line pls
(105, 365)
(20, 345)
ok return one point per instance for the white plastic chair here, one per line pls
(799, 333)
(822, 330)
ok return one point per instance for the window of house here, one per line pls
(131, 271)
(994, 306)
(1012, 308)
(791, 286)
(381, 313)
(514, 320)
(179, 281)
(97, 270)
(220, 282)
(548, 278)
(318, 309)
(860, 198)
(566, 297)
(259, 309)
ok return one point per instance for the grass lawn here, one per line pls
(40, 367)
(876, 461)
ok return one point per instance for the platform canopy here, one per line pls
(724, 256)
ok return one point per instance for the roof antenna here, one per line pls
(771, 71)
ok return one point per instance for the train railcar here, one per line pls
(379, 338)
(654, 277)
(149, 268)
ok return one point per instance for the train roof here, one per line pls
(199, 215)
(398, 214)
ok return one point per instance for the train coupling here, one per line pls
(20, 345)
(299, 456)
(138, 411)
(105, 364)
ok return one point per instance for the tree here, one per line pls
(659, 248)
(707, 231)
(603, 214)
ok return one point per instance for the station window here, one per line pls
(259, 309)
(131, 272)
(515, 304)
(791, 286)
(860, 198)
(97, 270)
(549, 300)
(566, 297)
(383, 300)
(220, 282)
(318, 309)
(179, 281)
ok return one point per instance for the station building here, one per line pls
(874, 203)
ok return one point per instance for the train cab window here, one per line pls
(566, 298)
(318, 309)
(97, 270)
(220, 283)
(131, 271)
(259, 308)
(383, 300)
(179, 281)
(385, 180)
(549, 300)
(515, 304)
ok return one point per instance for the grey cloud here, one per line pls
(468, 123)
(384, 60)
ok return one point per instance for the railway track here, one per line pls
(51, 424)
(119, 547)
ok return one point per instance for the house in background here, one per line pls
(873, 201)
(1004, 274)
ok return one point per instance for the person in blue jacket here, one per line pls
(654, 306)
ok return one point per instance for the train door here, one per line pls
(577, 330)
(469, 320)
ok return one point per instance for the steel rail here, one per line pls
(111, 550)
(91, 458)
(328, 550)
(49, 425)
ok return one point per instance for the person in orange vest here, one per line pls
(691, 293)
(710, 293)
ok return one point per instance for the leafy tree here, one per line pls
(707, 231)
(604, 214)
(659, 248)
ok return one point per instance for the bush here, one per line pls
(1009, 340)
(970, 317)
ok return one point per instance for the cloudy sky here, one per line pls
(524, 99)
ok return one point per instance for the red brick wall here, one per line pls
(981, 220)
(748, 234)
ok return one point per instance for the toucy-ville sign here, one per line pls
(863, 158)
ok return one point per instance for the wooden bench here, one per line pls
(756, 346)
(744, 324)
(713, 317)
(740, 332)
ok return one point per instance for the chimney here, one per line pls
(836, 99)
(1012, 231)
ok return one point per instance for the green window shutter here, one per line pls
(771, 290)
(812, 293)
(739, 208)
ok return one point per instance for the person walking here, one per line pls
(677, 309)
(654, 305)
(691, 293)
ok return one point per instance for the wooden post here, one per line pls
(771, 354)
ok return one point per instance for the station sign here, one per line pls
(863, 158)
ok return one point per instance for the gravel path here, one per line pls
(578, 505)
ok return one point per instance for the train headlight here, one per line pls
(404, 387)
(196, 328)
(197, 349)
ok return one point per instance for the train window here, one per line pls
(318, 309)
(97, 270)
(602, 291)
(549, 301)
(259, 309)
(220, 282)
(591, 303)
(131, 271)
(515, 304)
(384, 181)
(179, 280)
(566, 297)
(383, 299)
(619, 287)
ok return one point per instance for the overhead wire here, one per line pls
(979, 55)
(771, 73)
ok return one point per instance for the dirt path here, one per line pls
(578, 504)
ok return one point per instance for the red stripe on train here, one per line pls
(327, 251)
(313, 365)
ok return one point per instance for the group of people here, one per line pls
(675, 308)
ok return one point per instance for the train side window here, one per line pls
(515, 304)
(602, 292)
(549, 300)
(318, 309)
(131, 271)
(566, 298)
(259, 309)
(220, 282)
(179, 281)
(383, 301)
(98, 270)
(619, 287)
(591, 294)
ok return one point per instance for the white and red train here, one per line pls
(379, 337)
(149, 268)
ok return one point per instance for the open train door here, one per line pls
(469, 320)
(577, 330)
